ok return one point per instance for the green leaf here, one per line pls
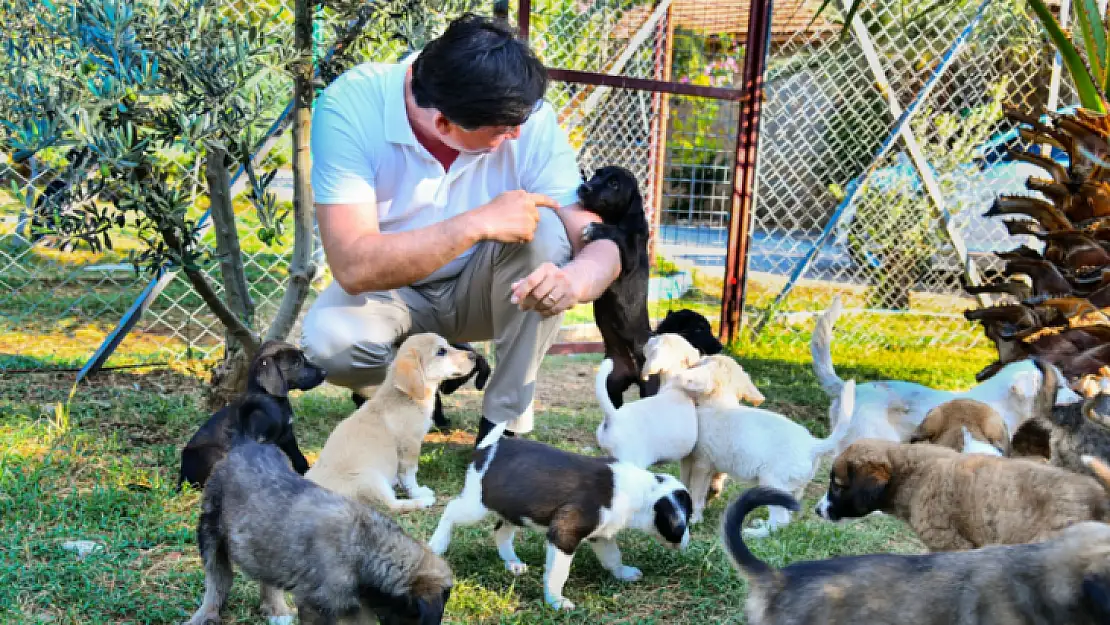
(1094, 37)
(1090, 96)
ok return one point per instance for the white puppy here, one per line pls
(660, 428)
(892, 409)
(752, 443)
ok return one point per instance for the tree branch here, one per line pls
(301, 267)
(232, 323)
(227, 236)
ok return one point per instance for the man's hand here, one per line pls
(511, 217)
(548, 290)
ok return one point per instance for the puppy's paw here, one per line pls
(439, 542)
(560, 603)
(696, 517)
(629, 574)
(424, 495)
(516, 568)
(206, 618)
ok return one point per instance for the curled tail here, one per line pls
(845, 406)
(732, 528)
(820, 349)
(602, 391)
(1045, 399)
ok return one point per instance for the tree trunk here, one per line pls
(301, 267)
(229, 379)
(228, 251)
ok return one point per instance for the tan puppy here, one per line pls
(379, 445)
(966, 425)
(959, 501)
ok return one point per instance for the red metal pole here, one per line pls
(523, 17)
(744, 180)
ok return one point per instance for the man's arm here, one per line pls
(551, 290)
(363, 259)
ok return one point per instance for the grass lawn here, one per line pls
(104, 470)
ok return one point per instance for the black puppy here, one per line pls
(621, 313)
(264, 411)
(692, 326)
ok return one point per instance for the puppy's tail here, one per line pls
(820, 348)
(846, 405)
(602, 391)
(1045, 400)
(1098, 468)
(732, 533)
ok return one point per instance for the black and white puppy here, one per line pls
(266, 412)
(692, 326)
(573, 498)
(621, 313)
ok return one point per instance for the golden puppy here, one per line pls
(379, 444)
(962, 501)
(966, 425)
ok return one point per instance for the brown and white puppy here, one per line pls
(966, 425)
(379, 445)
(572, 498)
(960, 501)
(343, 561)
(1065, 579)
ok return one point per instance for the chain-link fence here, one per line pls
(831, 103)
(826, 114)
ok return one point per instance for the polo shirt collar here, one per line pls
(396, 120)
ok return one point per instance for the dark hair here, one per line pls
(479, 74)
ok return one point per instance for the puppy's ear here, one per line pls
(430, 608)
(271, 378)
(698, 379)
(1096, 596)
(870, 476)
(746, 390)
(408, 375)
(481, 365)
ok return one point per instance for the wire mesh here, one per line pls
(823, 119)
(890, 257)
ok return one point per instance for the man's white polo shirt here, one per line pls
(364, 150)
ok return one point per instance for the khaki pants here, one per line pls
(354, 337)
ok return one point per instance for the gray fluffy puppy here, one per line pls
(343, 561)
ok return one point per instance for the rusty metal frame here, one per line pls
(744, 181)
(749, 95)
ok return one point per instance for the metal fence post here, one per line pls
(744, 179)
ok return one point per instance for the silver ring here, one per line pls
(550, 301)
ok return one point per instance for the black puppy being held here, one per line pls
(264, 411)
(621, 313)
